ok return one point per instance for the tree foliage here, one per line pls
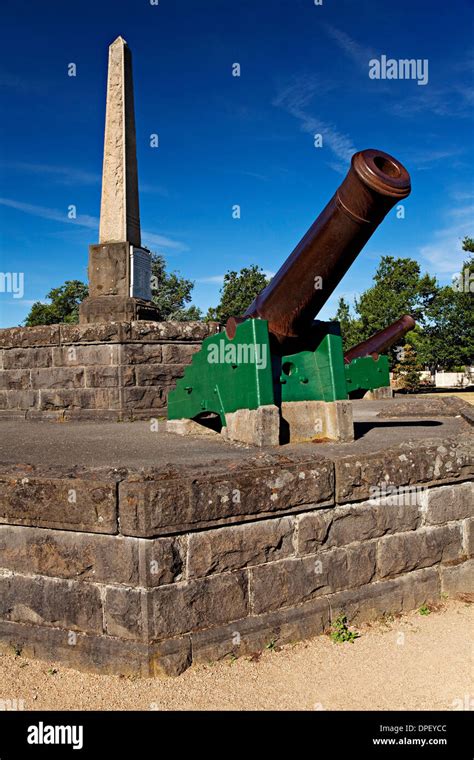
(238, 292)
(350, 327)
(171, 293)
(444, 336)
(63, 305)
(406, 373)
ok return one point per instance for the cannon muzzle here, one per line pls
(374, 183)
(381, 341)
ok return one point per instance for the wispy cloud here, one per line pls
(70, 175)
(43, 212)
(150, 239)
(63, 174)
(218, 279)
(453, 101)
(359, 54)
(295, 98)
(444, 251)
(425, 158)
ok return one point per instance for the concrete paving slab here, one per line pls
(139, 444)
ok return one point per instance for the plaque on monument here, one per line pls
(140, 273)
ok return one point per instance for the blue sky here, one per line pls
(228, 140)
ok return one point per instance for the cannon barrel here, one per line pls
(382, 340)
(374, 183)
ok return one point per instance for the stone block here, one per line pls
(163, 560)
(103, 377)
(18, 399)
(376, 600)
(361, 522)
(156, 503)
(27, 358)
(189, 427)
(449, 503)
(125, 612)
(97, 332)
(24, 337)
(164, 331)
(159, 374)
(15, 379)
(317, 420)
(253, 634)
(51, 602)
(232, 548)
(68, 555)
(100, 309)
(141, 353)
(109, 270)
(379, 394)
(264, 490)
(89, 652)
(87, 398)
(312, 529)
(61, 378)
(469, 537)
(65, 503)
(293, 581)
(179, 353)
(146, 399)
(430, 462)
(153, 507)
(257, 427)
(80, 355)
(198, 604)
(416, 549)
(458, 580)
(171, 657)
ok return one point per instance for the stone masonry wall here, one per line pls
(150, 570)
(113, 371)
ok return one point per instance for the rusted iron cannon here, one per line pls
(309, 276)
(277, 353)
(382, 340)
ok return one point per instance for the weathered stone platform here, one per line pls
(115, 370)
(144, 552)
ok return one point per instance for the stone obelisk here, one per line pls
(119, 268)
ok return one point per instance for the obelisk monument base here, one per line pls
(119, 285)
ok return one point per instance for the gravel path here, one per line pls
(417, 662)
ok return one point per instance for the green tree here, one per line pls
(447, 340)
(406, 374)
(468, 244)
(398, 289)
(63, 306)
(350, 326)
(171, 293)
(238, 292)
